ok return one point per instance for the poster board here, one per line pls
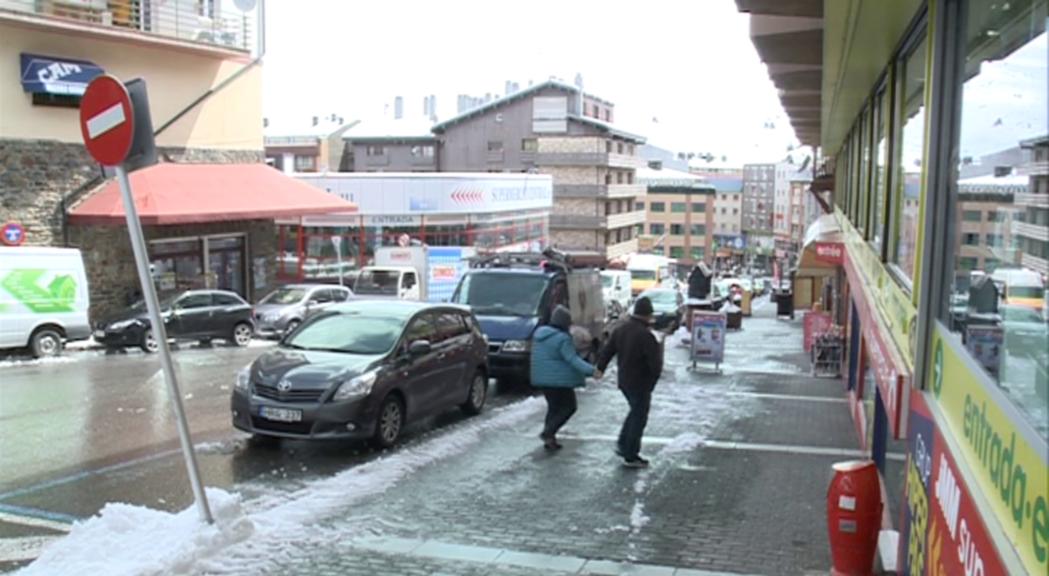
(708, 336)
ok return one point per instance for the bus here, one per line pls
(647, 271)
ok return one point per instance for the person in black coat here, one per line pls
(639, 359)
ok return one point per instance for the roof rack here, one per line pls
(548, 259)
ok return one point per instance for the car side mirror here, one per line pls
(419, 348)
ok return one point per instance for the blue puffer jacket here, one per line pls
(555, 363)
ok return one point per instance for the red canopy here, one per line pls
(197, 193)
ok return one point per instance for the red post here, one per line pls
(854, 517)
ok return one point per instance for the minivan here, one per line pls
(43, 299)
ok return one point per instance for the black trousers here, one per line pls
(560, 405)
(634, 425)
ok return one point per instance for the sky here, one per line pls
(682, 73)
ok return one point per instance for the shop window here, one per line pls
(1006, 334)
(657, 229)
(658, 207)
(907, 176)
(677, 229)
(495, 146)
(677, 207)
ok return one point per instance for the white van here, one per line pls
(43, 299)
(616, 287)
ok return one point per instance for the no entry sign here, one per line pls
(106, 120)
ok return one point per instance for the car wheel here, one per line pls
(242, 333)
(292, 325)
(46, 342)
(149, 342)
(477, 394)
(391, 420)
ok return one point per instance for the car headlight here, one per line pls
(358, 387)
(123, 324)
(516, 346)
(243, 378)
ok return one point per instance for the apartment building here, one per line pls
(759, 192)
(390, 145)
(1031, 230)
(679, 215)
(316, 146)
(556, 129)
(791, 181)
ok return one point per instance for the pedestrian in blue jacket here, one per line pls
(558, 370)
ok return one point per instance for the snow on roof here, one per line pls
(990, 180)
(670, 177)
(551, 83)
(385, 128)
(305, 127)
(611, 129)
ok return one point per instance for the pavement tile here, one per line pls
(540, 561)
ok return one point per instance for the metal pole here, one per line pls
(138, 245)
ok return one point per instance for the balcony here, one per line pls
(1035, 231)
(598, 190)
(592, 222)
(210, 25)
(621, 249)
(588, 159)
(1031, 200)
(1036, 168)
(1035, 263)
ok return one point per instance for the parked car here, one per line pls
(669, 306)
(43, 299)
(282, 310)
(615, 287)
(365, 369)
(201, 315)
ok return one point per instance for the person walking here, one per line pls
(557, 370)
(639, 359)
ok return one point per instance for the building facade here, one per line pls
(1032, 231)
(679, 215)
(729, 242)
(390, 145)
(314, 147)
(759, 193)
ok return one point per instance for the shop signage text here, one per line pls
(392, 220)
(1010, 472)
(830, 252)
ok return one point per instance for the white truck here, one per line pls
(43, 299)
(398, 274)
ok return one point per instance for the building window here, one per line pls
(880, 166)
(657, 229)
(677, 229)
(619, 147)
(677, 207)
(697, 253)
(909, 166)
(1004, 333)
(970, 239)
(376, 151)
(638, 206)
(629, 177)
(698, 230)
(495, 146)
(724, 210)
(608, 178)
(619, 177)
(608, 115)
(529, 145)
(658, 206)
(608, 146)
(698, 207)
(305, 163)
(422, 151)
(677, 252)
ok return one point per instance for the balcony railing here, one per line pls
(587, 159)
(1035, 200)
(599, 190)
(592, 222)
(1038, 232)
(209, 22)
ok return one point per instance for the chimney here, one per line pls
(426, 106)
(315, 120)
(398, 108)
(265, 122)
(509, 88)
(579, 85)
(433, 107)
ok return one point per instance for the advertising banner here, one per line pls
(942, 532)
(446, 267)
(813, 324)
(1007, 459)
(830, 252)
(708, 336)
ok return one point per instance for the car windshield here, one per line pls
(1021, 314)
(643, 274)
(348, 332)
(661, 298)
(284, 296)
(380, 282)
(1026, 292)
(502, 294)
(606, 281)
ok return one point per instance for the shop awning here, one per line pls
(198, 193)
(52, 75)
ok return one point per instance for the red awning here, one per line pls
(197, 193)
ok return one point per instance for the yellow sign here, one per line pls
(893, 304)
(1010, 471)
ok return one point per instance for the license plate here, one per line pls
(99, 334)
(280, 414)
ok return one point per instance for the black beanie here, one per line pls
(643, 307)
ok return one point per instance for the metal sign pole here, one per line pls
(138, 245)
(337, 242)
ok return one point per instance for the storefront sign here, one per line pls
(1008, 462)
(438, 193)
(942, 531)
(446, 267)
(396, 220)
(708, 336)
(830, 252)
(12, 234)
(52, 75)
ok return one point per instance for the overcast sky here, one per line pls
(683, 73)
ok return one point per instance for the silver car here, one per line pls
(282, 310)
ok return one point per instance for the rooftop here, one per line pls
(524, 93)
(389, 128)
(316, 127)
(669, 178)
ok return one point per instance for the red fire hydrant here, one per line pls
(854, 517)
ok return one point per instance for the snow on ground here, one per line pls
(686, 442)
(250, 536)
(13, 361)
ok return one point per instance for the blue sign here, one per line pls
(12, 234)
(44, 74)
(421, 204)
(446, 268)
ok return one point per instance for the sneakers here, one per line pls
(635, 462)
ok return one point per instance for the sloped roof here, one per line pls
(485, 108)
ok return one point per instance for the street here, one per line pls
(738, 458)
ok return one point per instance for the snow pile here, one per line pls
(24, 361)
(686, 442)
(638, 520)
(133, 540)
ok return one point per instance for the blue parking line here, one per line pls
(38, 514)
(81, 475)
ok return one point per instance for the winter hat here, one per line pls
(643, 307)
(561, 318)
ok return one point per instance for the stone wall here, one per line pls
(577, 240)
(110, 263)
(574, 174)
(578, 207)
(553, 144)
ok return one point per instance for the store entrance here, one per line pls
(226, 264)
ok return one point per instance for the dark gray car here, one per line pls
(282, 310)
(365, 369)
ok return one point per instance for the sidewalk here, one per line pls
(740, 468)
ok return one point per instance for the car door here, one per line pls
(319, 299)
(421, 374)
(191, 315)
(226, 312)
(453, 352)
(409, 289)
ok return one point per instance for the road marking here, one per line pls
(745, 446)
(438, 550)
(106, 120)
(85, 474)
(23, 549)
(35, 521)
(38, 515)
(832, 399)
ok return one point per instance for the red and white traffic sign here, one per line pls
(106, 120)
